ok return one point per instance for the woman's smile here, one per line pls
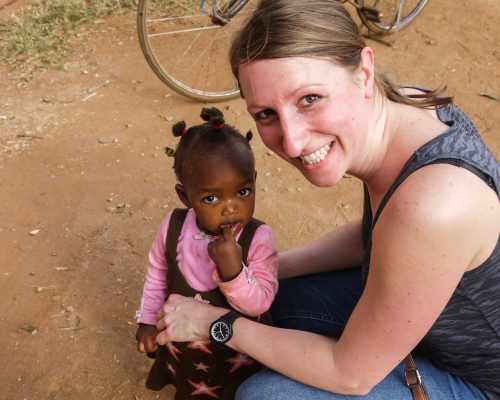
(317, 156)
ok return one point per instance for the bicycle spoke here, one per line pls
(183, 48)
(183, 31)
(397, 19)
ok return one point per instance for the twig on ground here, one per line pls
(490, 96)
(40, 288)
(93, 91)
(26, 135)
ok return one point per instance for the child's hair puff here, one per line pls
(213, 115)
(213, 136)
(179, 128)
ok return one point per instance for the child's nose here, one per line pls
(229, 208)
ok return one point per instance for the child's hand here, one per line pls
(145, 336)
(226, 254)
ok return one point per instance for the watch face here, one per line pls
(220, 332)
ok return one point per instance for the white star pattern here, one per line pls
(201, 367)
(202, 388)
(173, 350)
(239, 360)
(200, 345)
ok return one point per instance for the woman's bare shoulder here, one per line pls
(454, 208)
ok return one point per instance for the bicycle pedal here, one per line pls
(372, 14)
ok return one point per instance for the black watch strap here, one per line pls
(231, 316)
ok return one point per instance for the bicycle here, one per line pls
(186, 42)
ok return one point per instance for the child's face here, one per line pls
(221, 191)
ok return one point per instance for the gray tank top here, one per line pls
(465, 339)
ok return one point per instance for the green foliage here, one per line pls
(40, 36)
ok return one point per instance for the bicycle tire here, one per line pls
(389, 8)
(187, 49)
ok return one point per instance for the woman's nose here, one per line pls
(293, 135)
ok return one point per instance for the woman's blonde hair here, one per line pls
(313, 28)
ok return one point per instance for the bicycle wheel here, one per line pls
(187, 47)
(395, 14)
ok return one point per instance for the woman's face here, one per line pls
(311, 113)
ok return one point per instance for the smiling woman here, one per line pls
(418, 272)
(316, 123)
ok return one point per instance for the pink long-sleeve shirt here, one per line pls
(251, 292)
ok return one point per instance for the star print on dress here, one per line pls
(199, 298)
(202, 388)
(200, 345)
(173, 350)
(201, 367)
(171, 368)
(239, 360)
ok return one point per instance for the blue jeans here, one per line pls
(322, 303)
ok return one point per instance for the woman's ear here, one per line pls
(181, 192)
(366, 71)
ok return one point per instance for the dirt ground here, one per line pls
(84, 184)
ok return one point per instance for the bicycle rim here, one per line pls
(186, 49)
(397, 14)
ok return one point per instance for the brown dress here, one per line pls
(201, 369)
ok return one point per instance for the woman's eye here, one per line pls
(309, 99)
(244, 192)
(264, 114)
(210, 199)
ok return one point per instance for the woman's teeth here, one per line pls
(317, 156)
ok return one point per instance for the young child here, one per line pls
(213, 251)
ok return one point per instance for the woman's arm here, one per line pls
(297, 354)
(340, 249)
(439, 224)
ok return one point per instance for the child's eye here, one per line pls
(210, 199)
(264, 114)
(244, 192)
(309, 99)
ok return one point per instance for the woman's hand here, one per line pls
(184, 319)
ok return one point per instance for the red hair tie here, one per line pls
(184, 131)
(218, 125)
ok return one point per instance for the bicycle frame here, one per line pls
(222, 17)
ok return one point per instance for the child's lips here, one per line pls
(233, 226)
(228, 226)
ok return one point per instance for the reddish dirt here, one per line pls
(10, 7)
(86, 175)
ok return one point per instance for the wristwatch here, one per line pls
(221, 330)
